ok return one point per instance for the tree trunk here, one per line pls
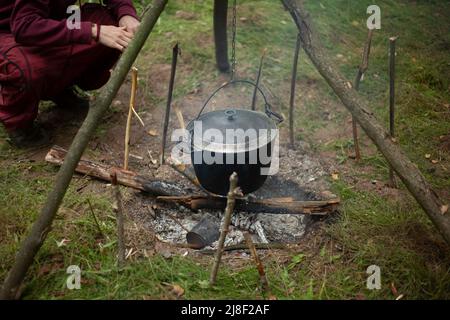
(42, 225)
(359, 108)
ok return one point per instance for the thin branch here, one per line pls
(292, 97)
(95, 219)
(258, 79)
(259, 266)
(120, 222)
(361, 71)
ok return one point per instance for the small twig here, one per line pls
(180, 118)
(361, 70)
(120, 222)
(138, 117)
(233, 192)
(258, 79)
(183, 170)
(95, 219)
(262, 274)
(293, 86)
(134, 72)
(258, 246)
(392, 41)
(177, 221)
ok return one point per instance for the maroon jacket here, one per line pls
(43, 22)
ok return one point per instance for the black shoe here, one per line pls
(30, 137)
(70, 99)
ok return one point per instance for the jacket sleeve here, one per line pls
(122, 8)
(31, 25)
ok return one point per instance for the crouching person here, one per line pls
(43, 56)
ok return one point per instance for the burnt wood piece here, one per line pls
(124, 177)
(407, 171)
(172, 192)
(273, 206)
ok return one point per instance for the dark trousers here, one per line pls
(31, 74)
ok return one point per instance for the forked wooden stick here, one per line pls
(134, 73)
(234, 191)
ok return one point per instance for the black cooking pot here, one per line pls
(233, 140)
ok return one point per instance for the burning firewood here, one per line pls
(172, 193)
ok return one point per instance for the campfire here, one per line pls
(281, 211)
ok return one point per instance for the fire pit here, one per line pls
(171, 223)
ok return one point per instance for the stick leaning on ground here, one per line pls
(259, 266)
(36, 237)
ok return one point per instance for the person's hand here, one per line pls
(130, 23)
(113, 37)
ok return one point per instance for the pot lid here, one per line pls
(235, 119)
(232, 130)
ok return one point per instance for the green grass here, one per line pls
(373, 228)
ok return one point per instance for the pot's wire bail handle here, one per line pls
(278, 118)
(268, 108)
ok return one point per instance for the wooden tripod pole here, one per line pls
(38, 233)
(407, 171)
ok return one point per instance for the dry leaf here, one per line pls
(153, 133)
(434, 161)
(394, 289)
(335, 176)
(444, 209)
(177, 290)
